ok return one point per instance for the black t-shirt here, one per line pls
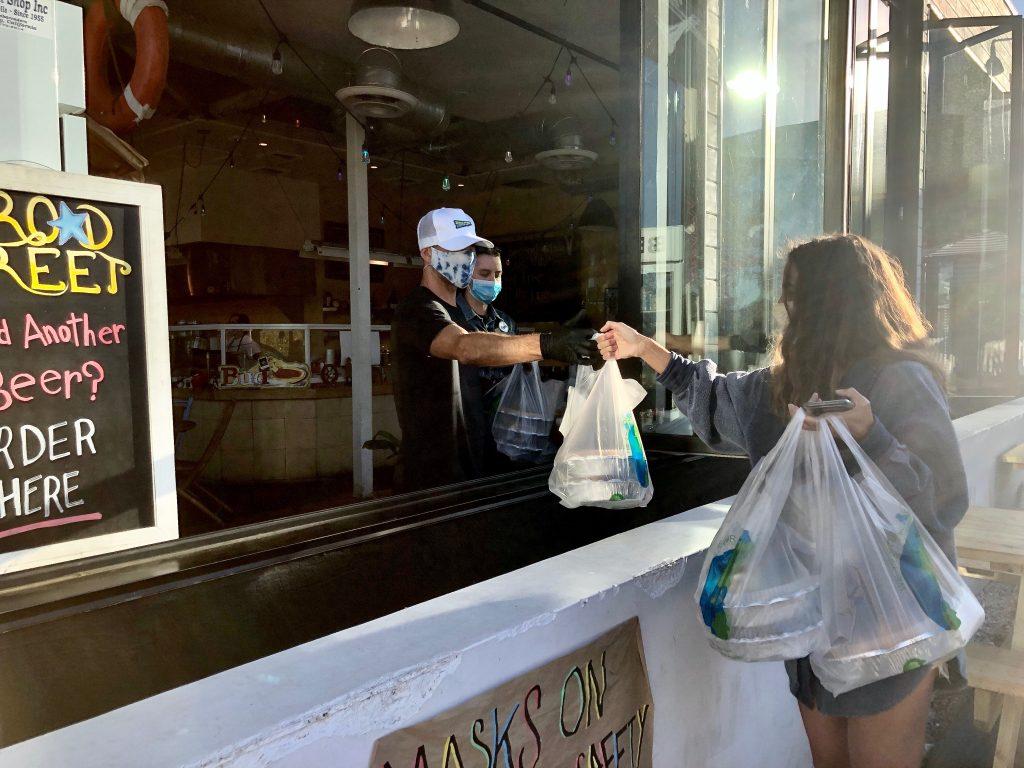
(435, 443)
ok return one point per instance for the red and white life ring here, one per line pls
(121, 112)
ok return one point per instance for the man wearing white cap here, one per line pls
(428, 345)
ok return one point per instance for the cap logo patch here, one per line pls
(460, 223)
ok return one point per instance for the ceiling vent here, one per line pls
(377, 89)
(567, 153)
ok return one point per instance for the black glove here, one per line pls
(570, 345)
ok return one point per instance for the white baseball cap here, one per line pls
(450, 228)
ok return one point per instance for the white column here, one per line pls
(359, 299)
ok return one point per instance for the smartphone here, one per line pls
(821, 407)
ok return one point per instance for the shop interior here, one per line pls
(514, 120)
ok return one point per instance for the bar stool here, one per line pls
(188, 472)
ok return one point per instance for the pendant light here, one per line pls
(403, 24)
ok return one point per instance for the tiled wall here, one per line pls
(282, 439)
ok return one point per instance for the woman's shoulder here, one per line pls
(904, 379)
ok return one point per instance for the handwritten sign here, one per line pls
(591, 708)
(76, 448)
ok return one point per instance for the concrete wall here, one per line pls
(324, 703)
(984, 437)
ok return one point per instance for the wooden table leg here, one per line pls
(987, 706)
(1013, 708)
(1009, 733)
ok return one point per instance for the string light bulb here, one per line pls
(568, 76)
(446, 183)
(202, 206)
(231, 161)
(341, 172)
(366, 156)
(552, 97)
(263, 118)
(508, 155)
(277, 63)
(612, 138)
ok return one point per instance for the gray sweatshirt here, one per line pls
(912, 441)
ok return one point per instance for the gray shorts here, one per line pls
(868, 700)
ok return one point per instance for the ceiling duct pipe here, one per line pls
(378, 89)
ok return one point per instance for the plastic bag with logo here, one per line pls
(522, 423)
(891, 600)
(759, 592)
(602, 462)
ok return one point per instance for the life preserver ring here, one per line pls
(121, 112)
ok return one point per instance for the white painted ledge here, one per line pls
(324, 702)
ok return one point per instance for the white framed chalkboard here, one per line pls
(86, 430)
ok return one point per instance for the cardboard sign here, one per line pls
(591, 708)
(86, 440)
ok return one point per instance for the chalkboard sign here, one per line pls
(86, 436)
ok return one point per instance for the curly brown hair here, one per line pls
(847, 300)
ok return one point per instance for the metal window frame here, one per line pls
(905, 169)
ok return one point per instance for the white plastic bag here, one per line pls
(602, 461)
(522, 423)
(759, 595)
(813, 561)
(891, 599)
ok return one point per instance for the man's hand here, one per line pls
(575, 346)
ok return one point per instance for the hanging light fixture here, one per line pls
(403, 24)
(366, 156)
(552, 97)
(568, 73)
(277, 63)
(508, 155)
(341, 171)
(446, 183)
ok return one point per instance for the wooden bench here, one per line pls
(992, 540)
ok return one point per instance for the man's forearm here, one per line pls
(497, 349)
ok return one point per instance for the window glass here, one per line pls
(732, 102)
(505, 122)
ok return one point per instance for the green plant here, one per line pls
(384, 441)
